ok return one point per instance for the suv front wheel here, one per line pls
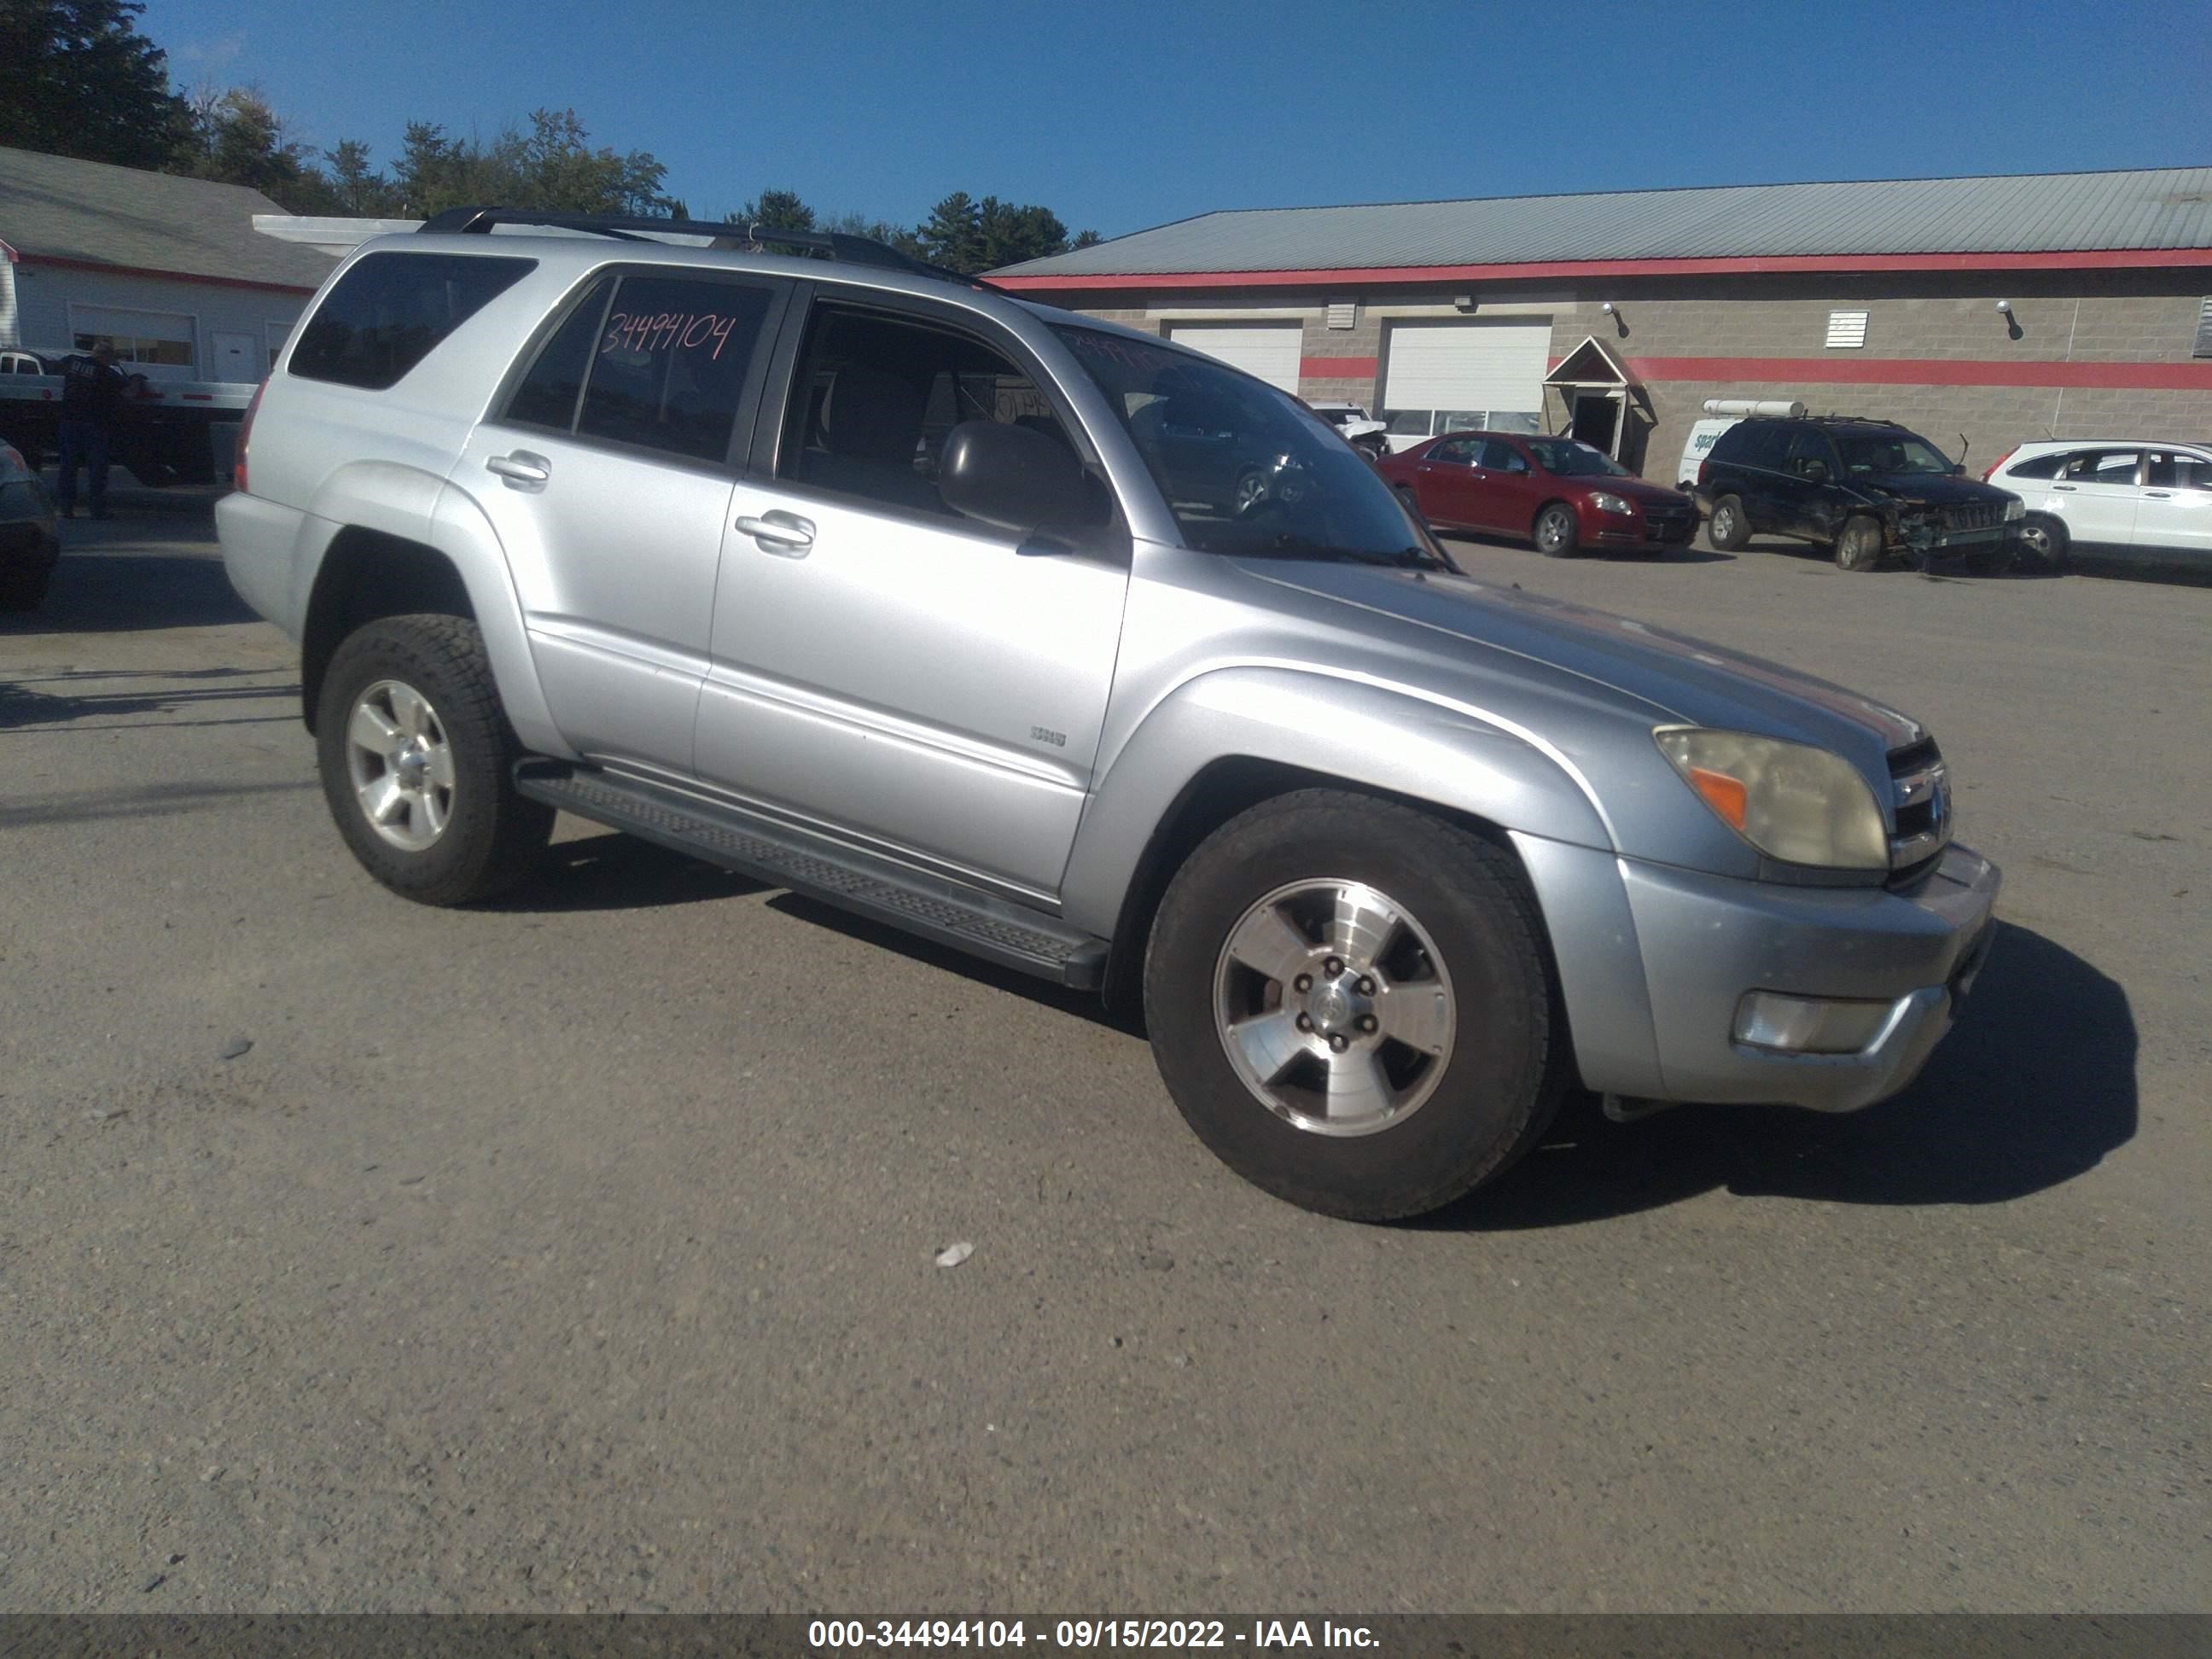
(1351, 1004)
(416, 755)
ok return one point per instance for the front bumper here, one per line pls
(1644, 531)
(1706, 940)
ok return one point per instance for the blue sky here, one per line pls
(1119, 115)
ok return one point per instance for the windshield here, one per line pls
(1889, 452)
(1245, 468)
(1570, 457)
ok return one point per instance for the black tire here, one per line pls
(2043, 543)
(1372, 447)
(1728, 529)
(23, 590)
(1503, 1074)
(492, 836)
(1859, 545)
(1556, 532)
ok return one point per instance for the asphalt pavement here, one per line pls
(578, 1251)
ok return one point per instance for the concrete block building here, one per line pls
(169, 271)
(1981, 312)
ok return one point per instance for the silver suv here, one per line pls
(1087, 654)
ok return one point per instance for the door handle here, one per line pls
(522, 469)
(2068, 488)
(779, 532)
(2158, 494)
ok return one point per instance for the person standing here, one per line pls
(92, 395)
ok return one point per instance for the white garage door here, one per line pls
(1455, 376)
(1270, 350)
(157, 343)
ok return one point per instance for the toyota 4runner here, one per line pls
(884, 587)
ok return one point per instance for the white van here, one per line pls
(1700, 444)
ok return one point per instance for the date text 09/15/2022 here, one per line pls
(1172, 1635)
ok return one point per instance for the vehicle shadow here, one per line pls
(617, 872)
(2033, 1087)
(96, 592)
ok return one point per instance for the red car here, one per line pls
(1559, 492)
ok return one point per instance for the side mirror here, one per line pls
(1958, 469)
(1011, 477)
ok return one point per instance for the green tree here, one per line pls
(952, 235)
(1009, 235)
(777, 209)
(76, 78)
(356, 188)
(1087, 238)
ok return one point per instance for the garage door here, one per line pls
(1455, 376)
(157, 343)
(1270, 350)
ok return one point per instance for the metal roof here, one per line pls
(2166, 207)
(58, 208)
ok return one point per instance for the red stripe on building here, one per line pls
(1336, 368)
(2078, 259)
(167, 276)
(1927, 371)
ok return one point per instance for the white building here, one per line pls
(169, 271)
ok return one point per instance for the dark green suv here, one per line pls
(1869, 489)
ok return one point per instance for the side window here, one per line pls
(1809, 454)
(2105, 466)
(875, 397)
(670, 370)
(391, 310)
(1762, 445)
(1456, 451)
(2173, 470)
(1500, 457)
(2041, 466)
(548, 395)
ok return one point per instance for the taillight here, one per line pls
(1999, 462)
(246, 437)
(1704, 467)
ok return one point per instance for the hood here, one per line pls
(1666, 675)
(1935, 489)
(1637, 489)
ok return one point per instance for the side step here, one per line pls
(783, 856)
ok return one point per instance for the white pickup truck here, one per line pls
(169, 432)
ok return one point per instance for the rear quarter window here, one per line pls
(2037, 466)
(391, 310)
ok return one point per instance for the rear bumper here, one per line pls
(260, 543)
(1654, 962)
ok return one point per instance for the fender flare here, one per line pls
(1349, 727)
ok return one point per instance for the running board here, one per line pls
(783, 856)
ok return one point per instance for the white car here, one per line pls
(1360, 429)
(2124, 497)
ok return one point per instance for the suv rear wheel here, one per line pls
(1860, 545)
(416, 755)
(1728, 529)
(1351, 1004)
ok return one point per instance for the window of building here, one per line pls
(391, 310)
(2203, 346)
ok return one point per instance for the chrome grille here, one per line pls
(1920, 805)
(1974, 515)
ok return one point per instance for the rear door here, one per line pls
(2097, 493)
(1446, 482)
(1805, 494)
(881, 665)
(2175, 512)
(606, 467)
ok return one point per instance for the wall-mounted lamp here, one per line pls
(1619, 322)
(2012, 323)
(1463, 302)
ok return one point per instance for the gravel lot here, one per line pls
(577, 1253)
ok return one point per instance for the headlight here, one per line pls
(1790, 800)
(2016, 508)
(1606, 501)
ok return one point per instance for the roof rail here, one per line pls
(823, 244)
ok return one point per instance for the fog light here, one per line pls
(1807, 1025)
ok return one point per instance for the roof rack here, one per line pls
(824, 243)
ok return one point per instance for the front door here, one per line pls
(1512, 490)
(2174, 514)
(606, 470)
(881, 666)
(1596, 422)
(237, 357)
